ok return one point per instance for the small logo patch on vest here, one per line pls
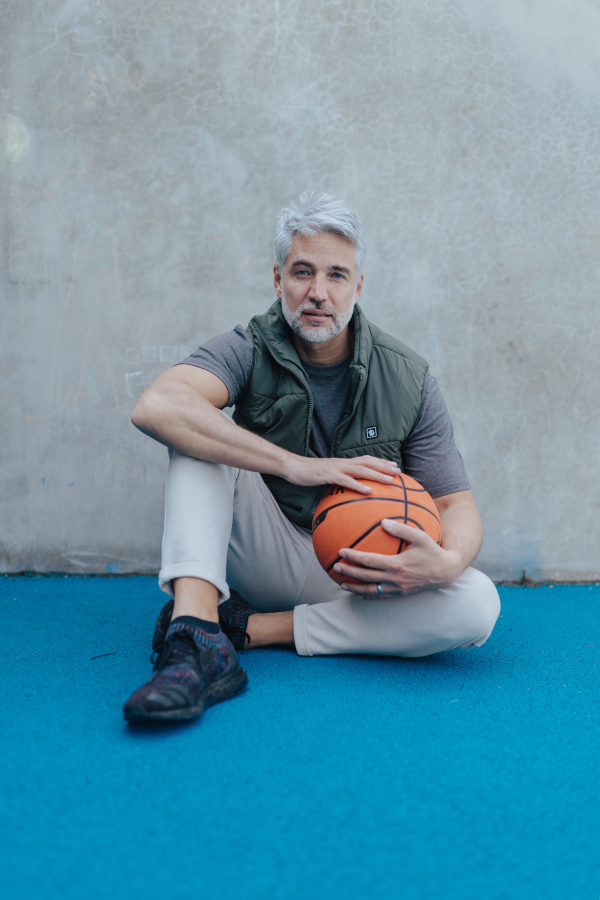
(371, 432)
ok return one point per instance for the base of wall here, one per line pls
(153, 573)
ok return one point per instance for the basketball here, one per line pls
(347, 519)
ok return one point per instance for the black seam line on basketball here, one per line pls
(397, 487)
(319, 520)
(390, 499)
(368, 531)
(403, 486)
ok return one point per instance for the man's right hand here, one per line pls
(310, 472)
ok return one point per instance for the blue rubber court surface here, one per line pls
(472, 774)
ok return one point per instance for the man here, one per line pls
(321, 397)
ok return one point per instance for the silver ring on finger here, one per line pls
(379, 590)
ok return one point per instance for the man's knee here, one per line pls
(481, 604)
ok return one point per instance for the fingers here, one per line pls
(353, 469)
(377, 561)
(384, 477)
(348, 482)
(343, 472)
(349, 473)
(370, 592)
(407, 532)
(380, 561)
(361, 574)
(374, 462)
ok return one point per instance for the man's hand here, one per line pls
(422, 565)
(310, 472)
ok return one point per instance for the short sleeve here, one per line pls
(429, 453)
(228, 356)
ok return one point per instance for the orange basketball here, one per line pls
(345, 518)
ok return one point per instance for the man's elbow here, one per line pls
(142, 414)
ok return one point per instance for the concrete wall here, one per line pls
(145, 148)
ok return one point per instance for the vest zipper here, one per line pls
(348, 417)
(304, 385)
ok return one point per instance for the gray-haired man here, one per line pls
(321, 397)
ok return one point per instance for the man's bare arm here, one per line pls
(181, 409)
(423, 565)
(462, 531)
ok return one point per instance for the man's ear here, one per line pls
(359, 286)
(277, 281)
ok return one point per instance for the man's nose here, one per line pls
(318, 289)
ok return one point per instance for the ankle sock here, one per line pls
(214, 638)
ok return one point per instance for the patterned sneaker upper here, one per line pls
(189, 660)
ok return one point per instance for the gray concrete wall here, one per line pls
(145, 148)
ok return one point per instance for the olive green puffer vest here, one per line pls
(388, 384)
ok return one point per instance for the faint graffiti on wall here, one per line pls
(164, 353)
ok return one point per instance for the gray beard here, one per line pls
(316, 334)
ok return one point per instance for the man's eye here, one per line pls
(302, 272)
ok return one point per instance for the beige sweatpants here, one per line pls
(223, 525)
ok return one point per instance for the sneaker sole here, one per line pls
(222, 689)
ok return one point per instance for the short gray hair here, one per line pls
(313, 213)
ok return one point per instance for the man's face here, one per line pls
(318, 285)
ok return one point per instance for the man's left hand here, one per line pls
(422, 566)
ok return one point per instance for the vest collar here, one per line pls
(276, 333)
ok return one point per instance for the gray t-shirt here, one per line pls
(330, 388)
(429, 453)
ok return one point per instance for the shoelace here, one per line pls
(179, 649)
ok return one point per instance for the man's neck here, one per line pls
(329, 352)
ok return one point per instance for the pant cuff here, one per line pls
(300, 630)
(192, 570)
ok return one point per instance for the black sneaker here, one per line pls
(194, 669)
(162, 626)
(233, 617)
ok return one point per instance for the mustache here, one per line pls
(317, 307)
